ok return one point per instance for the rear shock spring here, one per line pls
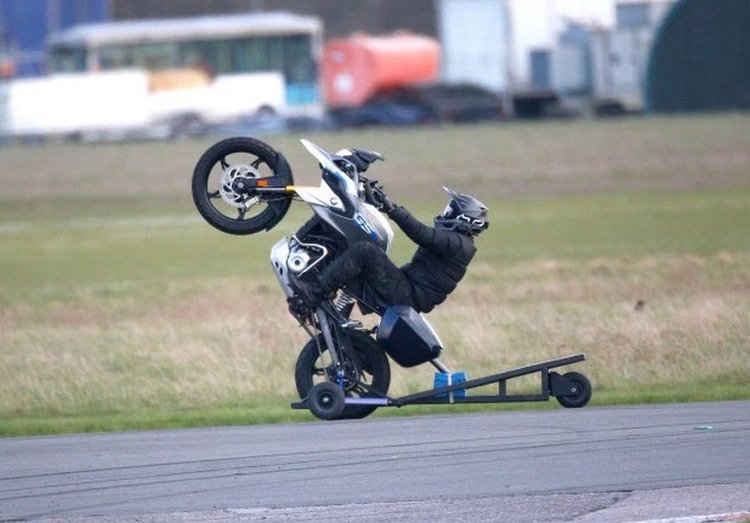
(342, 300)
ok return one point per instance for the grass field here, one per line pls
(121, 309)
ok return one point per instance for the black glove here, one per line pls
(375, 196)
(386, 204)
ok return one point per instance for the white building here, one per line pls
(528, 46)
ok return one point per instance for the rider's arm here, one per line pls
(440, 242)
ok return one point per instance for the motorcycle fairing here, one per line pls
(336, 200)
(366, 225)
(320, 196)
(279, 256)
(345, 187)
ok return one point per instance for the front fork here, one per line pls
(333, 349)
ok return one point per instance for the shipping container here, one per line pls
(476, 40)
(619, 61)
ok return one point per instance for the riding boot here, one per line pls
(310, 290)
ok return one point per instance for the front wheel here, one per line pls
(225, 182)
(367, 372)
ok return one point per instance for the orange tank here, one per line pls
(356, 68)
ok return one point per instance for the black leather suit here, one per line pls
(433, 272)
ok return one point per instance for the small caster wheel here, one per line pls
(326, 400)
(579, 391)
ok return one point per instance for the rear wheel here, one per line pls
(224, 180)
(366, 374)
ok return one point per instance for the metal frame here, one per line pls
(551, 384)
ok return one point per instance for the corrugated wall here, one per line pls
(701, 58)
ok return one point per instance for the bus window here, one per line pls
(118, 57)
(153, 56)
(298, 65)
(68, 60)
(249, 55)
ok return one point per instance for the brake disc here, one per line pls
(229, 176)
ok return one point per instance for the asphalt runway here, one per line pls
(614, 464)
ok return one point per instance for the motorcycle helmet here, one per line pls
(463, 214)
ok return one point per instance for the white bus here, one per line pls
(220, 45)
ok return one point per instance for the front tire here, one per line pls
(368, 376)
(216, 180)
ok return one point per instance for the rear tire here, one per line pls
(372, 369)
(223, 207)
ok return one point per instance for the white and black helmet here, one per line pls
(464, 214)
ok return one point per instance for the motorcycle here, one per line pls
(243, 186)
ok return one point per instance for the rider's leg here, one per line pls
(370, 261)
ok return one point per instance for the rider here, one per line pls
(440, 262)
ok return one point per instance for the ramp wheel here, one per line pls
(326, 400)
(578, 393)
